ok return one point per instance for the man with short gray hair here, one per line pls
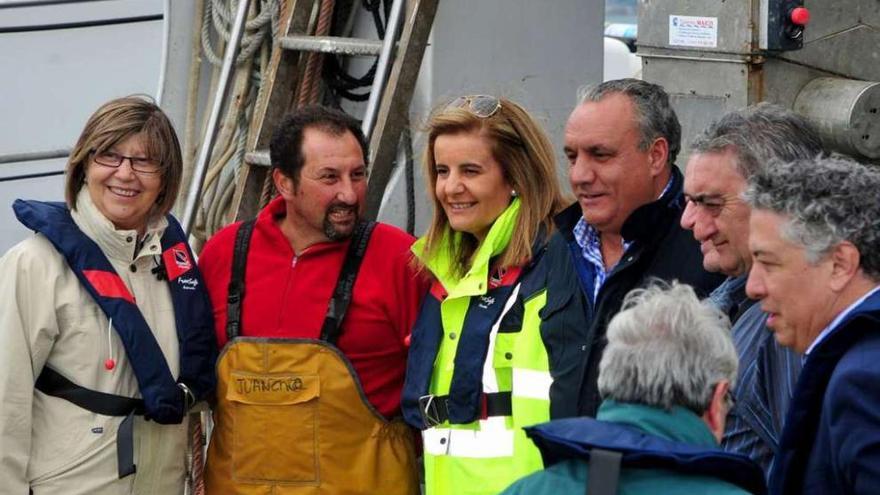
(816, 249)
(621, 142)
(723, 157)
(665, 378)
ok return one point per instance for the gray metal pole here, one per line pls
(30, 156)
(201, 166)
(382, 68)
(333, 44)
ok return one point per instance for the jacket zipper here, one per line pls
(293, 263)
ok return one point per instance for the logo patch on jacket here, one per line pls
(177, 260)
(486, 301)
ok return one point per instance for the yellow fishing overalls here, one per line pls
(291, 416)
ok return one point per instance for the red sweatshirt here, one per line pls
(287, 296)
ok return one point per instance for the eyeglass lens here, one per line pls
(138, 164)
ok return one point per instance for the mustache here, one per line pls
(340, 207)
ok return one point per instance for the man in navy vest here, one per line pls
(665, 377)
(816, 266)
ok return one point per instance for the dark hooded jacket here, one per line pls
(573, 327)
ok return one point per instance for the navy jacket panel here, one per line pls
(831, 439)
(668, 452)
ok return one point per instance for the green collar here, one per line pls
(475, 281)
(679, 424)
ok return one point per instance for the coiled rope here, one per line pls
(227, 158)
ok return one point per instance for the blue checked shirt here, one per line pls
(588, 238)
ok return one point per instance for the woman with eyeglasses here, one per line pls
(106, 333)
(478, 369)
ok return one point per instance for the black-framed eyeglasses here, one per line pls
(139, 164)
(482, 106)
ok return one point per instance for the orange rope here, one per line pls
(311, 86)
(198, 458)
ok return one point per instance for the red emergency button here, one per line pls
(800, 16)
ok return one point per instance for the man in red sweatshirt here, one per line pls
(344, 382)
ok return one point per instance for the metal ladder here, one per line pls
(387, 108)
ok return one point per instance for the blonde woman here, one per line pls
(478, 368)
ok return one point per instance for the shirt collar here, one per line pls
(116, 243)
(839, 318)
(677, 424)
(588, 237)
(475, 281)
(731, 292)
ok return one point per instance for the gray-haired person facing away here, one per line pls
(665, 379)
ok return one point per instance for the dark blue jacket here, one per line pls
(573, 328)
(831, 440)
(663, 452)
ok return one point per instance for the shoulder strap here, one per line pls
(338, 306)
(604, 472)
(235, 292)
(594, 440)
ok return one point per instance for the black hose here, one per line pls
(342, 83)
(409, 178)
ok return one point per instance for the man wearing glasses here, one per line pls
(621, 142)
(723, 159)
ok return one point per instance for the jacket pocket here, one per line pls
(554, 323)
(556, 302)
(275, 427)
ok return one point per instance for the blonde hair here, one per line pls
(524, 151)
(112, 123)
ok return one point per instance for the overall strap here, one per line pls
(235, 293)
(332, 328)
(338, 305)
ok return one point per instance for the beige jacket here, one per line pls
(48, 319)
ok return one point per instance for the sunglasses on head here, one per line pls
(482, 106)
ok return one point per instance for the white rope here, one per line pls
(228, 155)
(256, 29)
